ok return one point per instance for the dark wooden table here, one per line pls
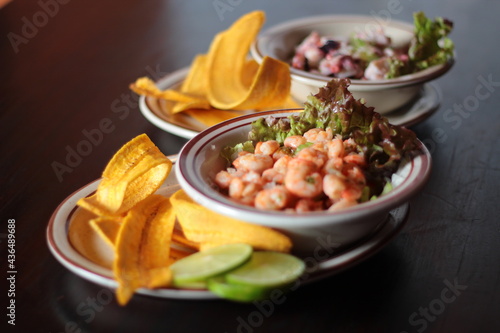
(65, 68)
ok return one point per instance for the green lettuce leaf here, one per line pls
(430, 45)
(385, 145)
(231, 153)
(397, 68)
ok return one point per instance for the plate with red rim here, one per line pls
(327, 261)
(157, 111)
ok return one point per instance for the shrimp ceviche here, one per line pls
(370, 55)
(337, 153)
(314, 171)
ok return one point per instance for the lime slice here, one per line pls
(236, 292)
(196, 285)
(267, 269)
(208, 263)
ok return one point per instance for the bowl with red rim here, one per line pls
(385, 95)
(200, 160)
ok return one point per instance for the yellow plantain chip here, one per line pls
(270, 88)
(180, 239)
(196, 81)
(157, 277)
(228, 52)
(145, 86)
(136, 171)
(208, 228)
(142, 250)
(224, 80)
(195, 84)
(107, 228)
(87, 241)
(248, 73)
(176, 254)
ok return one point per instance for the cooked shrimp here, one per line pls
(253, 162)
(321, 146)
(243, 152)
(357, 159)
(281, 164)
(266, 147)
(250, 192)
(318, 134)
(352, 192)
(334, 186)
(275, 198)
(236, 187)
(294, 141)
(223, 178)
(354, 174)
(252, 177)
(273, 176)
(313, 155)
(302, 179)
(235, 173)
(343, 203)
(308, 205)
(282, 151)
(243, 192)
(326, 173)
(333, 165)
(335, 148)
(350, 145)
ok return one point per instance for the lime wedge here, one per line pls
(208, 263)
(236, 292)
(267, 269)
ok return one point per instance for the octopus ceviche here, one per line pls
(370, 55)
(335, 154)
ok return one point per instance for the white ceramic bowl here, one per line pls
(385, 95)
(200, 160)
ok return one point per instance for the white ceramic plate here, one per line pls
(183, 125)
(69, 257)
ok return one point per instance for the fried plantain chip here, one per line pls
(145, 86)
(224, 80)
(228, 54)
(195, 84)
(136, 171)
(208, 228)
(179, 238)
(176, 254)
(270, 88)
(138, 228)
(142, 249)
(107, 228)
